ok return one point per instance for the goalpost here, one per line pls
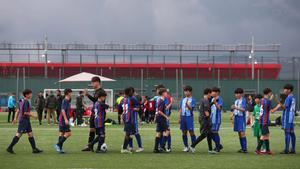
(75, 93)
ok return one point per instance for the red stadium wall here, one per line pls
(190, 71)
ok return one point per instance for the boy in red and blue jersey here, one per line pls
(239, 118)
(161, 121)
(288, 116)
(216, 117)
(99, 109)
(64, 123)
(186, 117)
(264, 120)
(24, 123)
(128, 117)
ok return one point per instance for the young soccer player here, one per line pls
(168, 102)
(186, 117)
(288, 116)
(161, 121)
(137, 135)
(96, 84)
(64, 126)
(264, 120)
(255, 120)
(216, 117)
(99, 109)
(129, 118)
(239, 118)
(205, 122)
(24, 123)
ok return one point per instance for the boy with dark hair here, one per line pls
(64, 126)
(216, 117)
(161, 121)
(239, 118)
(288, 116)
(24, 123)
(129, 112)
(205, 122)
(96, 84)
(264, 120)
(99, 109)
(186, 117)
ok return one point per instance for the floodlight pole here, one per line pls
(252, 58)
(46, 55)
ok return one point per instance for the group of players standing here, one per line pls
(210, 112)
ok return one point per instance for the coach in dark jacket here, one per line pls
(51, 105)
(39, 106)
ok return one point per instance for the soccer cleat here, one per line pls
(258, 152)
(57, 148)
(157, 151)
(242, 151)
(186, 149)
(36, 151)
(10, 150)
(269, 152)
(139, 150)
(212, 152)
(193, 150)
(292, 152)
(99, 151)
(284, 152)
(87, 148)
(130, 149)
(263, 150)
(168, 150)
(125, 151)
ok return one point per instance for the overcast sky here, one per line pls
(153, 21)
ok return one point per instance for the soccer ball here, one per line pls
(103, 148)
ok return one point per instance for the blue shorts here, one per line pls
(63, 127)
(215, 127)
(239, 124)
(288, 126)
(187, 123)
(100, 131)
(129, 128)
(161, 126)
(24, 126)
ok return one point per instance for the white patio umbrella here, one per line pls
(85, 77)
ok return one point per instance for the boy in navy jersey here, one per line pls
(264, 120)
(64, 126)
(161, 121)
(24, 123)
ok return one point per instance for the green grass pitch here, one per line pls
(46, 137)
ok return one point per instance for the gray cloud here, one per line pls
(153, 21)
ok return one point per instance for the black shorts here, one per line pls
(92, 122)
(24, 126)
(63, 127)
(129, 128)
(100, 131)
(161, 126)
(264, 129)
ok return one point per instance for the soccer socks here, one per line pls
(243, 142)
(91, 136)
(127, 139)
(185, 140)
(157, 140)
(293, 139)
(61, 141)
(94, 141)
(193, 138)
(287, 141)
(100, 142)
(169, 141)
(259, 144)
(216, 139)
(130, 143)
(267, 143)
(138, 140)
(13, 142)
(32, 142)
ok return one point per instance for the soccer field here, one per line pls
(46, 137)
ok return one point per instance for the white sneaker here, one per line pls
(139, 150)
(193, 150)
(168, 150)
(125, 151)
(186, 149)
